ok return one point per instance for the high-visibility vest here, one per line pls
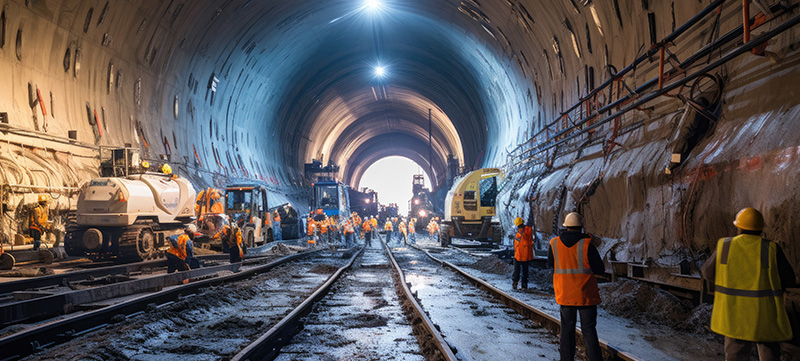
(180, 251)
(523, 245)
(573, 281)
(748, 297)
(412, 227)
(38, 218)
(388, 226)
(374, 222)
(367, 226)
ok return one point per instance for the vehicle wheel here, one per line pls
(444, 236)
(6, 261)
(251, 239)
(46, 256)
(497, 234)
(146, 243)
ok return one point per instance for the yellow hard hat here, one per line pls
(573, 219)
(518, 221)
(43, 198)
(749, 219)
(145, 164)
(166, 169)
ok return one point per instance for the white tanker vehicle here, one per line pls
(128, 218)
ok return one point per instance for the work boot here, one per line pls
(514, 285)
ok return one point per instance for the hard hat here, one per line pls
(573, 219)
(166, 169)
(43, 198)
(749, 219)
(191, 228)
(518, 221)
(145, 164)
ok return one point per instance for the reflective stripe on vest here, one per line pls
(179, 252)
(748, 299)
(581, 268)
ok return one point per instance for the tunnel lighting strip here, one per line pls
(667, 88)
(532, 313)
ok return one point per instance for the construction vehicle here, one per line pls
(247, 206)
(209, 209)
(420, 206)
(126, 216)
(469, 209)
(332, 197)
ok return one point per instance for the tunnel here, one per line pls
(656, 120)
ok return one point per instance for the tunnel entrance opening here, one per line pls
(392, 177)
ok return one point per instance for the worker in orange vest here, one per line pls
(349, 233)
(367, 227)
(388, 228)
(231, 236)
(277, 235)
(523, 252)
(575, 262)
(181, 250)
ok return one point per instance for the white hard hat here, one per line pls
(573, 219)
(191, 228)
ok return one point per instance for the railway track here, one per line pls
(95, 324)
(539, 317)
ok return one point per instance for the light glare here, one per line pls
(380, 71)
(372, 5)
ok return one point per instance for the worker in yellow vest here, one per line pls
(403, 231)
(412, 231)
(575, 262)
(37, 223)
(750, 275)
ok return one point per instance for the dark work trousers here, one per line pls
(175, 264)
(235, 257)
(569, 317)
(368, 238)
(37, 238)
(524, 266)
(736, 350)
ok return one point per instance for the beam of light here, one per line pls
(372, 5)
(380, 71)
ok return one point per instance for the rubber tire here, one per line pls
(46, 256)
(6, 261)
(444, 236)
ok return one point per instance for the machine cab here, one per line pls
(247, 206)
(332, 197)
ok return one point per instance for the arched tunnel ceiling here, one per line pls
(271, 84)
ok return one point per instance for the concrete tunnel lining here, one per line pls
(258, 87)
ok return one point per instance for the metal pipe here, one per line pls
(26, 186)
(728, 57)
(661, 68)
(746, 19)
(669, 38)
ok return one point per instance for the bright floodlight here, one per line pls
(372, 5)
(380, 71)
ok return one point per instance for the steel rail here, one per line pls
(444, 348)
(62, 278)
(27, 342)
(268, 346)
(536, 315)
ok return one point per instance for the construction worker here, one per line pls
(389, 229)
(374, 223)
(367, 227)
(349, 233)
(403, 231)
(38, 221)
(575, 262)
(523, 252)
(750, 275)
(231, 236)
(277, 235)
(412, 230)
(181, 250)
(311, 230)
